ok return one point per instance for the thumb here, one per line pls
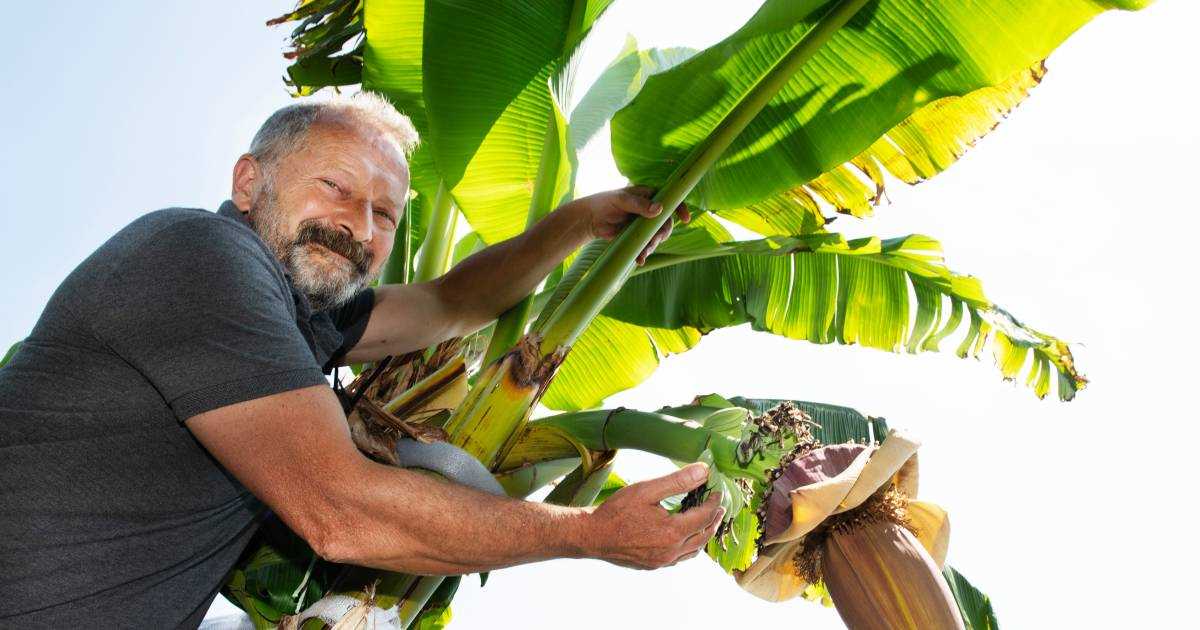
(678, 482)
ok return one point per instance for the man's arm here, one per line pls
(293, 451)
(481, 287)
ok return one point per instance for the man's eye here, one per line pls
(386, 215)
(330, 184)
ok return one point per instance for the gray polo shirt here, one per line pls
(111, 513)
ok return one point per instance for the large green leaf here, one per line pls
(392, 58)
(925, 144)
(824, 289)
(893, 58)
(392, 66)
(976, 607)
(617, 86)
(270, 577)
(611, 356)
(495, 118)
(488, 69)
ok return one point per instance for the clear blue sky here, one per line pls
(1079, 214)
(116, 109)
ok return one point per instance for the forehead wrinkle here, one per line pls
(361, 153)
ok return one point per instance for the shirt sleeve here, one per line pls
(203, 311)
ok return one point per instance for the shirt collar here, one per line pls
(231, 211)
(228, 210)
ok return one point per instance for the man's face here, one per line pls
(330, 210)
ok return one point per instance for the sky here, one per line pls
(1078, 213)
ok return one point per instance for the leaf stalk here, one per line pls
(614, 266)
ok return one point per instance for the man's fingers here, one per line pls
(697, 541)
(641, 191)
(661, 235)
(701, 516)
(683, 213)
(701, 536)
(632, 203)
(678, 482)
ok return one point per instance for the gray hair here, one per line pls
(286, 129)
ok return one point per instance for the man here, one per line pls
(173, 391)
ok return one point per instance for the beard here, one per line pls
(326, 286)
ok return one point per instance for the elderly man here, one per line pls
(173, 391)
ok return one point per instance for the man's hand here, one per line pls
(609, 212)
(631, 529)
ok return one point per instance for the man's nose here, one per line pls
(355, 220)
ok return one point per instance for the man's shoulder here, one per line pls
(187, 247)
(192, 238)
(203, 227)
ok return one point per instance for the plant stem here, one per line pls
(673, 438)
(434, 257)
(490, 421)
(611, 270)
(426, 389)
(397, 270)
(581, 487)
(525, 480)
(495, 409)
(511, 325)
(417, 596)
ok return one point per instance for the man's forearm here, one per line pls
(484, 285)
(407, 521)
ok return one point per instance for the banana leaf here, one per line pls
(496, 80)
(324, 28)
(617, 85)
(392, 57)
(825, 289)
(612, 355)
(894, 295)
(814, 139)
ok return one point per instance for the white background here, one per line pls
(1079, 213)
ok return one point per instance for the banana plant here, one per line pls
(802, 113)
(760, 115)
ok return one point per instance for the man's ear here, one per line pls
(247, 173)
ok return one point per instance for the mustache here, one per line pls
(337, 241)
